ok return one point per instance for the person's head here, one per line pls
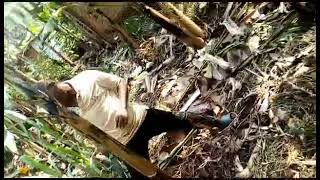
(61, 92)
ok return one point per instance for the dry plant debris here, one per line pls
(258, 62)
(273, 95)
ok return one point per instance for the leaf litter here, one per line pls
(273, 97)
(265, 96)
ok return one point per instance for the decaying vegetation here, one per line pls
(255, 60)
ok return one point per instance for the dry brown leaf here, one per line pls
(300, 71)
(219, 99)
(162, 156)
(201, 106)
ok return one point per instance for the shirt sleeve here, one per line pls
(108, 81)
(104, 80)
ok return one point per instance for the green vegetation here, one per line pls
(140, 26)
(37, 144)
(260, 63)
(49, 69)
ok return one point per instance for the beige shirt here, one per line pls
(98, 100)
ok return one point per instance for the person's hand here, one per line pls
(122, 118)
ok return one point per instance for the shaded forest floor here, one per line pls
(273, 95)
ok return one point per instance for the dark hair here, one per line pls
(47, 88)
(56, 94)
(43, 88)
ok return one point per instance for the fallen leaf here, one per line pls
(162, 156)
(24, 170)
(200, 106)
(136, 72)
(219, 99)
(167, 88)
(10, 142)
(213, 71)
(300, 71)
(232, 27)
(265, 104)
(16, 115)
(197, 63)
(253, 43)
(177, 91)
(217, 60)
(236, 85)
(202, 4)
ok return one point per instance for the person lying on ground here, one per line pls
(103, 100)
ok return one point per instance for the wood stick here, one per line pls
(194, 96)
(245, 173)
(139, 163)
(163, 164)
(122, 32)
(306, 162)
(226, 13)
(183, 35)
(162, 65)
(187, 22)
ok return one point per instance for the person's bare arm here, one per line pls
(122, 118)
(123, 93)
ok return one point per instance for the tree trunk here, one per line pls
(120, 30)
(89, 20)
(86, 29)
(116, 11)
